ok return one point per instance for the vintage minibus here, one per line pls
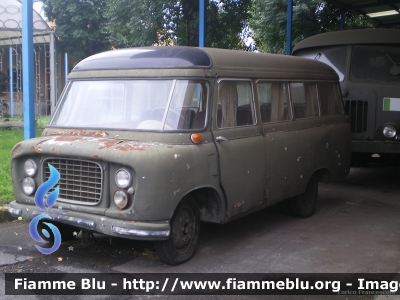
(368, 64)
(151, 141)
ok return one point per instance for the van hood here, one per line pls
(87, 147)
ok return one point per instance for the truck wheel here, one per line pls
(67, 232)
(283, 207)
(185, 230)
(304, 205)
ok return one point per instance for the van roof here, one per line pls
(219, 62)
(146, 58)
(351, 37)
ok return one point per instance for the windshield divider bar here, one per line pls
(168, 104)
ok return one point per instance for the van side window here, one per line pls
(189, 102)
(329, 98)
(235, 104)
(273, 99)
(304, 99)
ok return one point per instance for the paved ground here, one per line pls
(356, 229)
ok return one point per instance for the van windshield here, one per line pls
(375, 64)
(156, 105)
(334, 57)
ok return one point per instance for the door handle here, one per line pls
(221, 139)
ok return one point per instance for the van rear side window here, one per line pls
(304, 99)
(273, 99)
(329, 97)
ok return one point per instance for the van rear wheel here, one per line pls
(304, 205)
(185, 231)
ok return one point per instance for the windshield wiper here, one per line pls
(318, 56)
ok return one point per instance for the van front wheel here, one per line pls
(304, 205)
(185, 230)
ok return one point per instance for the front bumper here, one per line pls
(378, 147)
(114, 227)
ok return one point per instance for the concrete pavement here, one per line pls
(356, 229)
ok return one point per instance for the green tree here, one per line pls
(167, 22)
(77, 25)
(139, 23)
(310, 17)
(228, 24)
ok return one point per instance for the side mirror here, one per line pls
(395, 70)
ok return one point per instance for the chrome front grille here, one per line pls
(80, 181)
(358, 112)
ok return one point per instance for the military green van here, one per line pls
(151, 141)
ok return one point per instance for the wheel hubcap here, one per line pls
(182, 230)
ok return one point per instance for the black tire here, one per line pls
(67, 232)
(304, 205)
(185, 231)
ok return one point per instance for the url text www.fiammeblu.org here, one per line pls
(231, 284)
(287, 284)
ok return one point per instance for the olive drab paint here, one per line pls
(160, 138)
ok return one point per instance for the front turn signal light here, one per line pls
(196, 138)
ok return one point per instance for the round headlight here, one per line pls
(123, 178)
(389, 131)
(30, 167)
(28, 186)
(121, 199)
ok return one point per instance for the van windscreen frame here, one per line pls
(168, 105)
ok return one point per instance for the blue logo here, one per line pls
(40, 202)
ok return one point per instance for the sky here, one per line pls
(38, 7)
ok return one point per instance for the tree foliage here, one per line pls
(310, 17)
(228, 24)
(77, 25)
(172, 22)
(86, 27)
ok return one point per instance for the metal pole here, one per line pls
(289, 27)
(11, 81)
(341, 19)
(27, 69)
(65, 67)
(202, 23)
(53, 73)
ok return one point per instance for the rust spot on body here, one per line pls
(15, 149)
(106, 143)
(41, 142)
(130, 146)
(83, 133)
(32, 149)
(239, 204)
(67, 139)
